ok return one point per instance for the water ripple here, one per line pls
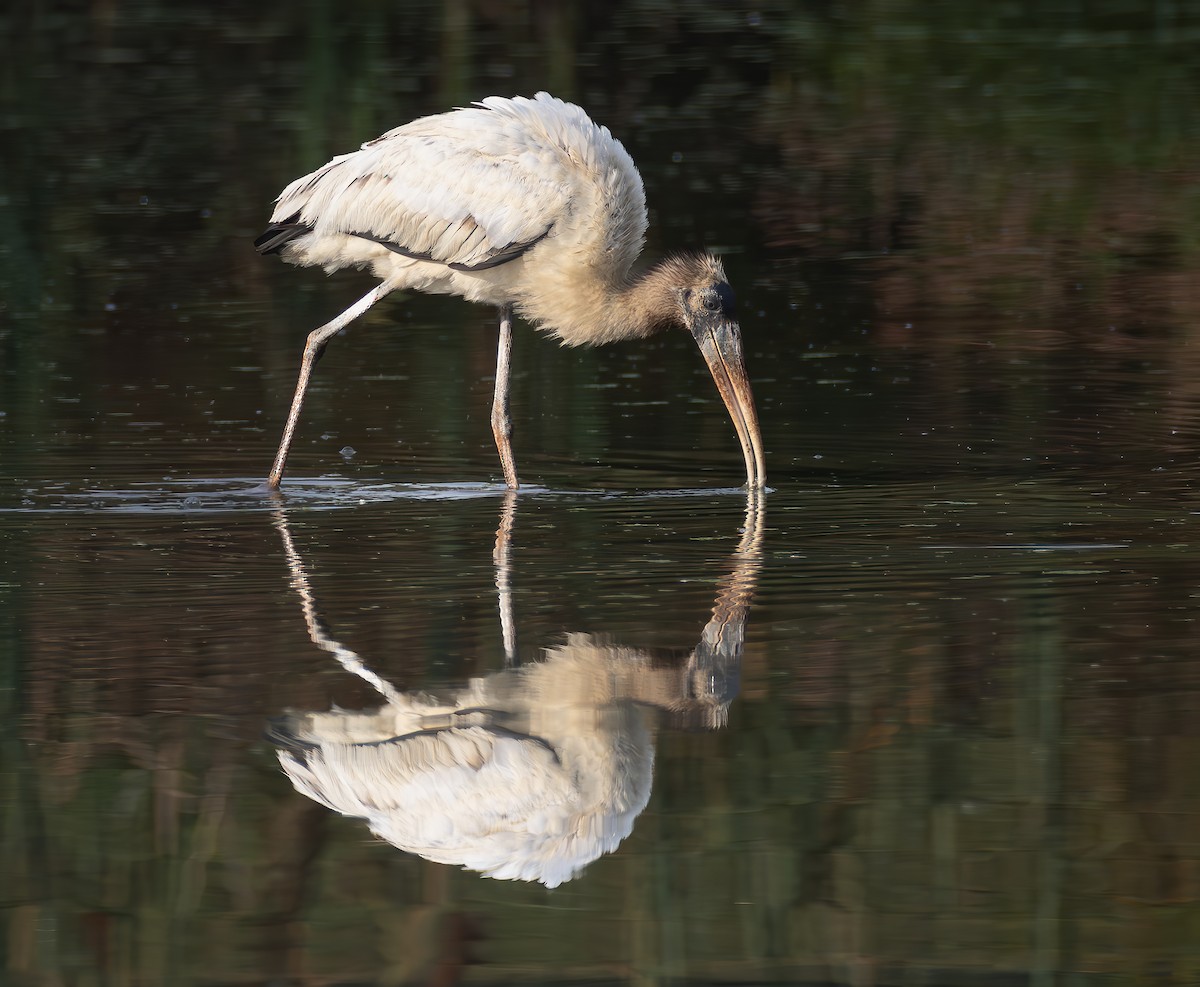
(241, 494)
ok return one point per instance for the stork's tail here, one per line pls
(278, 235)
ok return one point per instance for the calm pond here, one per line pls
(926, 712)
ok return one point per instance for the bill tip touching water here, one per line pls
(524, 204)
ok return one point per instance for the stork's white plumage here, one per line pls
(526, 204)
(527, 774)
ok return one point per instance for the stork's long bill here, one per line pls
(721, 346)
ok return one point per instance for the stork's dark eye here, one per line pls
(712, 301)
(728, 303)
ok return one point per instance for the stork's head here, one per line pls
(707, 310)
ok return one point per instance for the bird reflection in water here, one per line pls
(529, 773)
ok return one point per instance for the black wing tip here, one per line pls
(281, 731)
(503, 255)
(278, 235)
(498, 256)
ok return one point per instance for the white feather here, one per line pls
(524, 775)
(464, 187)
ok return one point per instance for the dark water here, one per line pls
(929, 713)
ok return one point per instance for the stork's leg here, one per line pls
(501, 557)
(501, 423)
(317, 340)
(317, 629)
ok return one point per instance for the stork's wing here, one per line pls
(437, 786)
(456, 189)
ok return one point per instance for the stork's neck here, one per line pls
(645, 303)
(597, 312)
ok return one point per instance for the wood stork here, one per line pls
(525, 204)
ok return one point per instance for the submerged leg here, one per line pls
(317, 340)
(501, 423)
